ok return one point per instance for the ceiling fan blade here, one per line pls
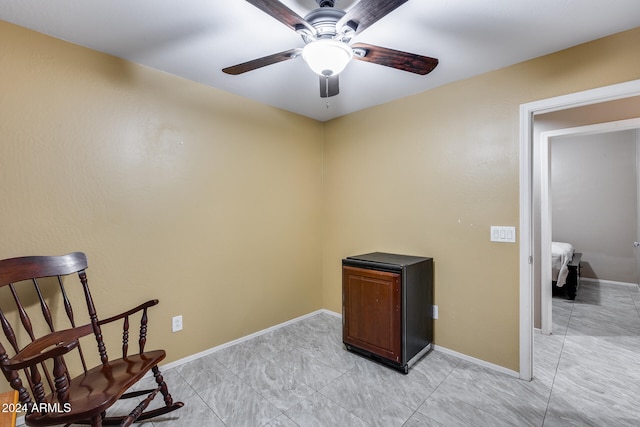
(283, 14)
(366, 12)
(404, 61)
(329, 86)
(262, 62)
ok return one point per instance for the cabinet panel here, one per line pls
(372, 311)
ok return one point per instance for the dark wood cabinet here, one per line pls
(387, 307)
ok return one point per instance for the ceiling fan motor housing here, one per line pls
(323, 20)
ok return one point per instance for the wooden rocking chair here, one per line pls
(39, 284)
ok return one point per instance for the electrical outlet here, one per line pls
(435, 311)
(176, 323)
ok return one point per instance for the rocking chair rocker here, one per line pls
(39, 284)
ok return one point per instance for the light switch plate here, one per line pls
(504, 234)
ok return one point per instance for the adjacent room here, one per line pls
(233, 200)
(594, 202)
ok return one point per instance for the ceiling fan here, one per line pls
(327, 33)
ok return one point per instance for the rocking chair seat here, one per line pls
(96, 390)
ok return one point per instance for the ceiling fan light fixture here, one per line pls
(327, 57)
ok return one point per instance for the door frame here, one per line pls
(528, 112)
(638, 204)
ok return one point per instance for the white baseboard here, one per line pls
(196, 356)
(445, 350)
(478, 362)
(332, 313)
(608, 282)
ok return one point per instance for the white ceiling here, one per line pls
(195, 39)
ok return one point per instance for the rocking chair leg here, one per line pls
(96, 421)
(135, 414)
(168, 400)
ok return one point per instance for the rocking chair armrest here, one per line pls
(142, 306)
(48, 347)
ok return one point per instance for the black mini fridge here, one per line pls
(387, 307)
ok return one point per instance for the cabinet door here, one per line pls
(371, 311)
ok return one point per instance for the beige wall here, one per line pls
(237, 215)
(176, 191)
(429, 174)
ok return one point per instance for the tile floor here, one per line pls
(587, 374)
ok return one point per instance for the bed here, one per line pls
(565, 267)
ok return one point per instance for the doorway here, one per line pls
(530, 233)
(546, 139)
